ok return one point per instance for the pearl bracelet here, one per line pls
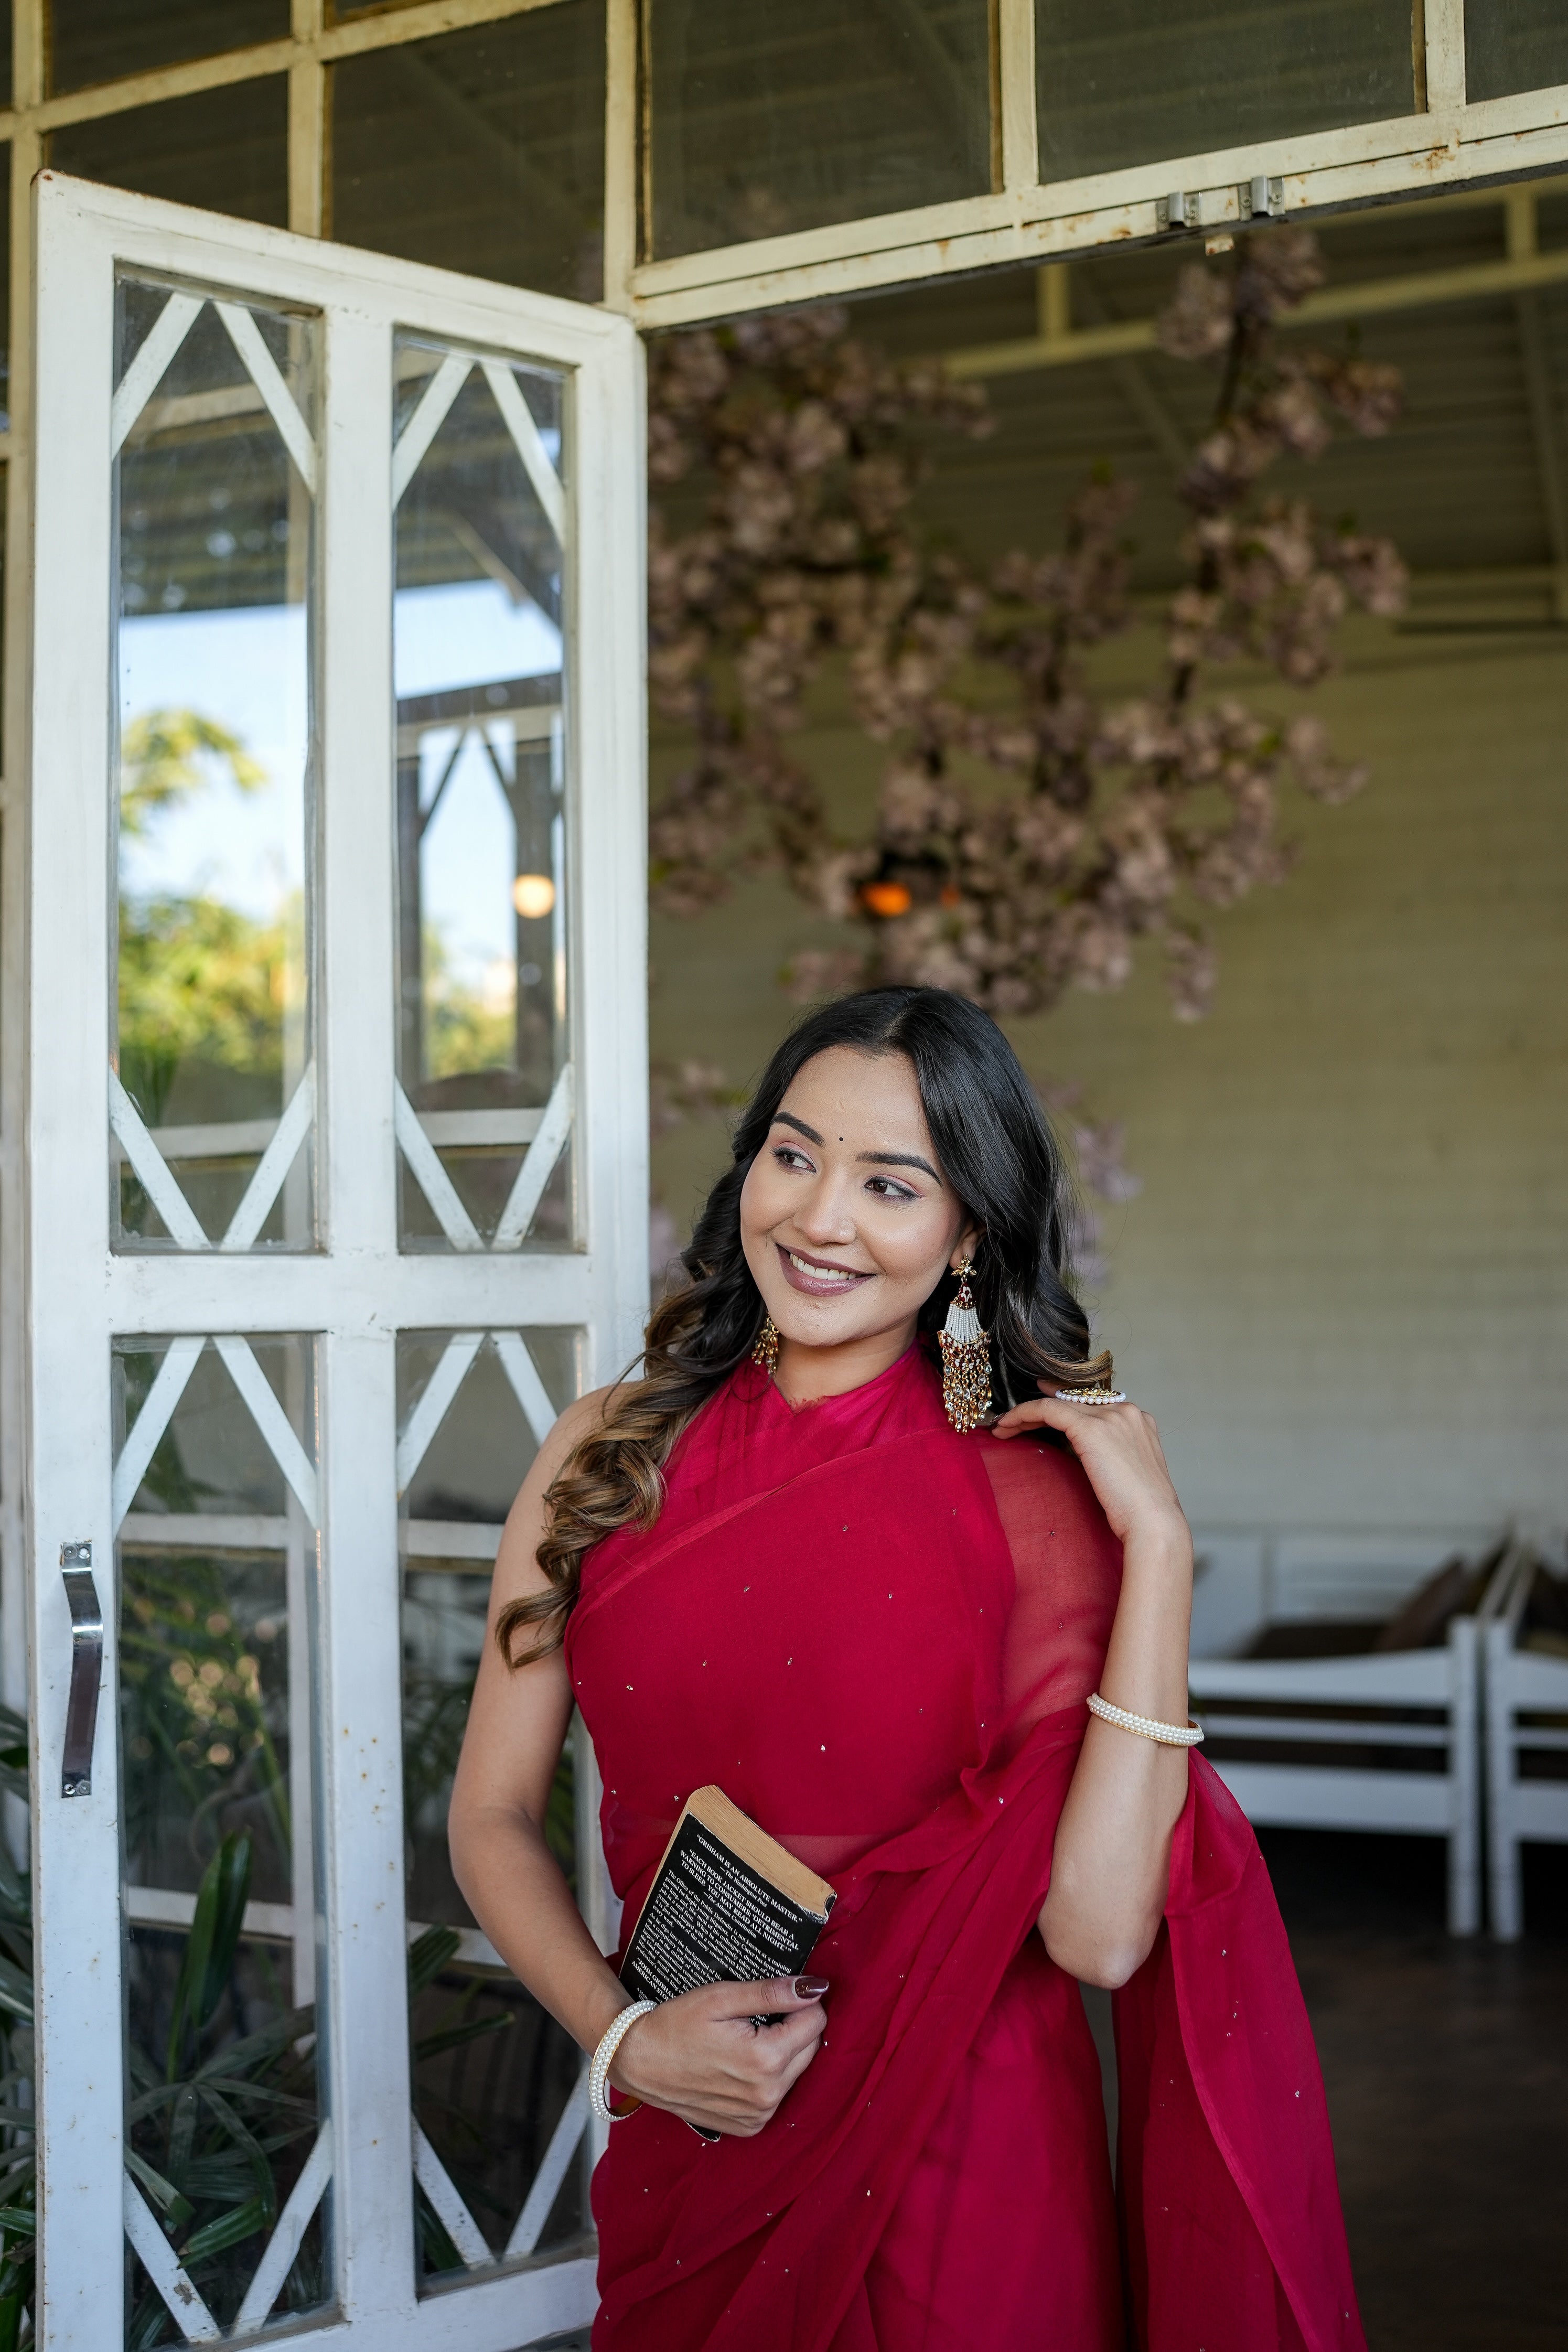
(603, 2058)
(1169, 1734)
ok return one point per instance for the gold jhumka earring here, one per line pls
(965, 1359)
(765, 1349)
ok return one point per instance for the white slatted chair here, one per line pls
(1526, 1703)
(1366, 1706)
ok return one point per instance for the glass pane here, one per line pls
(100, 40)
(483, 150)
(1511, 45)
(766, 120)
(5, 23)
(224, 149)
(214, 701)
(489, 2103)
(217, 1597)
(1121, 84)
(480, 803)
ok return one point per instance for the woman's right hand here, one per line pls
(702, 2057)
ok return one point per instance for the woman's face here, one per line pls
(846, 1219)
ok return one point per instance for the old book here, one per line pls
(728, 1903)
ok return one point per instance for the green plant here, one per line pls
(218, 2121)
(210, 2133)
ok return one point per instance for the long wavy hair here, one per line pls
(997, 1149)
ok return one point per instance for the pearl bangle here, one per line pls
(603, 2058)
(1168, 1735)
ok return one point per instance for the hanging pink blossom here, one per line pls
(1027, 833)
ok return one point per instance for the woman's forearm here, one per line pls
(1110, 1867)
(515, 1888)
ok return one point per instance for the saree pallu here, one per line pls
(877, 1637)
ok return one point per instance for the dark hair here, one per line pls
(997, 1149)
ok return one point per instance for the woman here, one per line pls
(788, 1563)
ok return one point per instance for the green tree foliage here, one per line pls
(198, 981)
(464, 1030)
(163, 757)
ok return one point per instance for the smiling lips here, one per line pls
(818, 1276)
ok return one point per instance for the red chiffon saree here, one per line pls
(878, 1637)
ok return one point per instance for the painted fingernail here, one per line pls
(810, 1988)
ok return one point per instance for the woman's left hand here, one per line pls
(1119, 1446)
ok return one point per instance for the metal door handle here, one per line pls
(86, 1669)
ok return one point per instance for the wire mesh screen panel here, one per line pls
(1514, 45)
(1120, 86)
(482, 150)
(227, 2142)
(499, 2106)
(212, 1099)
(485, 1101)
(764, 121)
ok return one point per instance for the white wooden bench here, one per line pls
(1371, 1715)
(1526, 1706)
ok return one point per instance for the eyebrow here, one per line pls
(866, 1158)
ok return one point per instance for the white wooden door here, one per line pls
(335, 1190)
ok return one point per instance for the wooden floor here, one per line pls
(1447, 2066)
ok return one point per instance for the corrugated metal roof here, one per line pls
(1458, 484)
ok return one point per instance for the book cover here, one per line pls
(728, 1903)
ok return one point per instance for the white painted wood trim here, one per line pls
(622, 68)
(454, 2215)
(526, 1385)
(463, 1539)
(276, 2263)
(518, 418)
(565, 2142)
(184, 2306)
(429, 416)
(125, 1119)
(434, 1403)
(606, 826)
(288, 1291)
(1409, 156)
(150, 364)
(1446, 59)
(142, 1440)
(425, 1167)
(539, 1166)
(205, 1530)
(266, 1180)
(271, 1420)
(168, 1907)
(246, 336)
(362, 1853)
(1016, 93)
(75, 1866)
